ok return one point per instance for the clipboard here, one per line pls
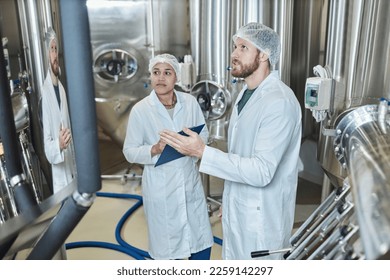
(169, 153)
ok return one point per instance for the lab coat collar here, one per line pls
(52, 96)
(161, 109)
(258, 93)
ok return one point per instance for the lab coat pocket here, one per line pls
(246, 217)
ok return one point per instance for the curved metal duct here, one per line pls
(364, 150)
(358, 44)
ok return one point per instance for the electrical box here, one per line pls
(317, 93)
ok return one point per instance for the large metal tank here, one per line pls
(308, 50)
(124, 36)
(276, 14)
(211, 46)
(358, 48)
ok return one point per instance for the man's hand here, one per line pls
(65, 138)
(191, 145)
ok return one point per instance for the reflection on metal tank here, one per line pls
(211, 46)
(276, 14)
(362, 146)
(308, 50)
(118, 39)
(124, 36)
(358, 44)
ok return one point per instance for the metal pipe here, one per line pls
(81, 93)
(262, 253)
(58, 231)
(152, 47)
(321, 213)
(4, 246)
(23, 194)
(345, 248)
(78, 61)
(34, 60)
(382, 113)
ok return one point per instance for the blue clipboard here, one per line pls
(169, 153)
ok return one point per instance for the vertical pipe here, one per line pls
(59, 230)
(81, 92)
(278, 15)
(151, 27)
(81, 96)
(23, 194)
(35, 60)
(31, 35)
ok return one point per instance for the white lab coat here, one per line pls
(260, 171)
(53, 117)
(173, 195)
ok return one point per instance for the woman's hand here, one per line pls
(157, 148)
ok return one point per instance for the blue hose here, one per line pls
(105, 245)
(124, 218)
(123, 246)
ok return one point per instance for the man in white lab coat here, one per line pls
(261, 166)
(56, 122)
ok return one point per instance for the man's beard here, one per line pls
(55, 68)
(246, 70)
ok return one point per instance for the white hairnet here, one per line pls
(166, 58)
(263, 37)
(49, 36)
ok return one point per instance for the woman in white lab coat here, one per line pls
(260, 168)
(58, 142)
(173, 195)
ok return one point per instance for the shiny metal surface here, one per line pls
(28, 227)
(8, 207)
(317, 228)
(210, 32)
(124, 36)
(276, 14)
(358, 40)
(212, 98)
(34, 19)
(211, 46)
(364, 151)
(20, 109)
(307, 52)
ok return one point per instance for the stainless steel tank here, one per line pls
(124, 36)
(210, 46)
(358, 44)
(213, 23)
(276, 14)
(308, 50)
(362, 146)
(354, 139)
